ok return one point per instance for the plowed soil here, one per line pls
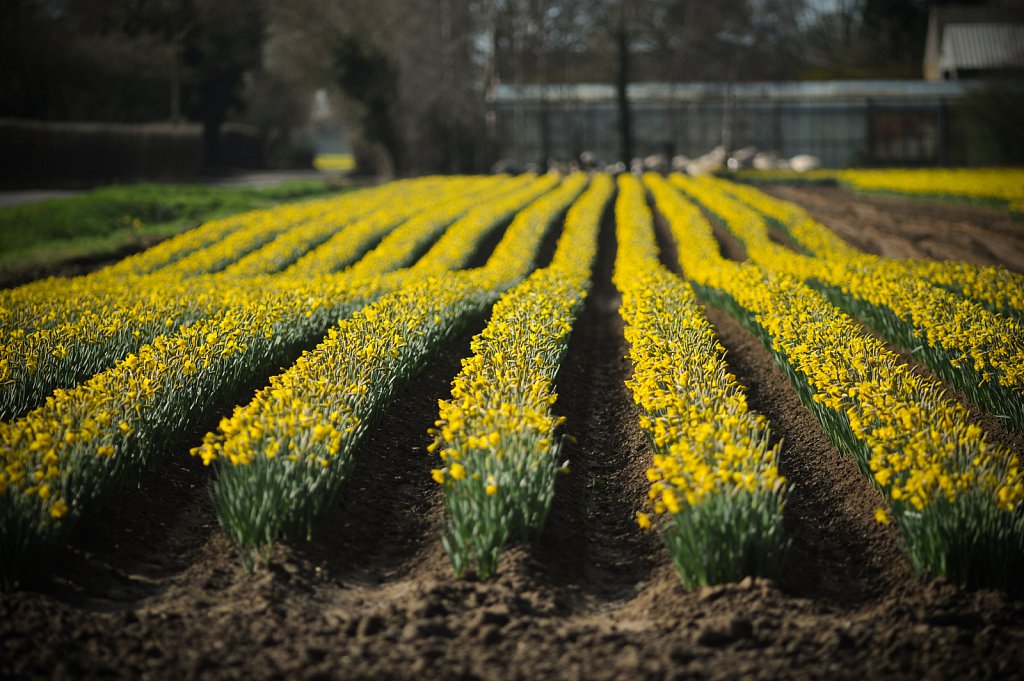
(151, 588)
(908, 228)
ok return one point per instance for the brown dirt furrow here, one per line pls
(839, 554)
(907, 228)
(591, 542)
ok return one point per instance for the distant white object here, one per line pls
(741, 158)
(765, 160)
(679, 162)
(616, 168)
(804, 162)
(656, 162)
(558, 167)
(589, 160)
(708, 163)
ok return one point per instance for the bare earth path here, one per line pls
(906, 228)
(152, 588)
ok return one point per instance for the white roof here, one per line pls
(981, 46)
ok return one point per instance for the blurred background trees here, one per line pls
(129, 60)
(414, 80)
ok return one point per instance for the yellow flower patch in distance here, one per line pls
(996, 288)
(400, 246)
(1000, 185)
(307, 238)
(458, 242)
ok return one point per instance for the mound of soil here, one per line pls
(151, 588)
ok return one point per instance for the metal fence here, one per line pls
(840, 122)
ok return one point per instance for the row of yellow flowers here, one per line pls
(999, 185)
(105, 327)
(994, 287)
(33, 364)
(956, 497)
(496, 434)
(996, 186)
(283, 457)
(44, 304)
(715, 477)
(975, 349)
(61, 457)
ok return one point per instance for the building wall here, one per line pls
(855, 123)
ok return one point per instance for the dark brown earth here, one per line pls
(911, 228)
(151, 588)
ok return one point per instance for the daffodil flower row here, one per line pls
(283, 457)
(715, 476)
(60, 458)
(993, 287)
(977, 350)
(33, 364)
(496, 434)
(956, 497)
(998, 185)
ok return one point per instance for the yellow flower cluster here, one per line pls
(283, 456)
(496, 435)
(949, 488)
(113, 319)
(996, 288)
(715, 472)
(357, 236)
(448, 201)
(977, 350)
(999, 185)
(59, 458)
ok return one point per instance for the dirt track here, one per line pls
(152, 589)
(906, 228)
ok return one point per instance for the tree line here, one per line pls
(414, 80)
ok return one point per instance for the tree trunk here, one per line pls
(621, 94)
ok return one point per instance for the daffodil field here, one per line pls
(295, 329)
(999, 187)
